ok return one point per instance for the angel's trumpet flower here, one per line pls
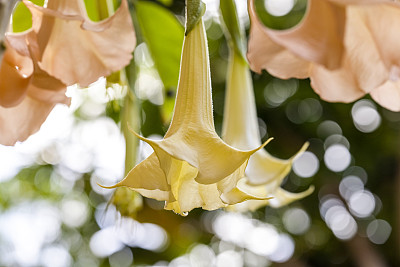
(27, 95)
(264, 173)
(74, 49)
(191, 166)
(63, 47)
(346, 48)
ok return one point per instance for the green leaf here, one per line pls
(166, 2)
(98, 10)
(92, 10)
(163, 35)
(22, 18)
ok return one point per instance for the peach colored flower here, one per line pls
(27, 95)
(74, 49)
(63, 47)
(348, 48)
(191, 166)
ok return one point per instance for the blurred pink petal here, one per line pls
(15, 72)
(367, 31)
(388, 95)
(19, 122)
(270, 56)
(76, 50)
(317, 38)
(27, 95)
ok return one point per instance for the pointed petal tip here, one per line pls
(301, 151)
(310, 190)
(262, 146)
(109, 187)
(144, 139)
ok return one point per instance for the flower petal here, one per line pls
(19, 122)
(283, 197)
(188, 193)
(237, 195)
(192, 160)
(317, 38)
(240, 125)
(388, 95)
(75, 50)
(335, 86)
(191, 136)
(148, 179)
(264, 53)
(15, 72)
(264, 168)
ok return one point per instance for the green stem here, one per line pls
(130, 120)
(233, 31)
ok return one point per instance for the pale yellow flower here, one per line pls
(264, 173)
(192, 167)
(348, 48)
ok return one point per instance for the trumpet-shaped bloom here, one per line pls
(191, 166)
(264, 173)
(347, 48)
(62, 48)
(75, 49)
(27, 95)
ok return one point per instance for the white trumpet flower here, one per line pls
(264, 173)
(191, 166)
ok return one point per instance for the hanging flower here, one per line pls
(191, 166)
(63, 47)
(264, 173)
(74, 49)
(345, 47)
(27, 95)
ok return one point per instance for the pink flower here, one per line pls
(62, 48)
(27, 95)
(74, 49)
(348, 48)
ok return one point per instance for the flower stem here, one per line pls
(130, 120)
(233, 30)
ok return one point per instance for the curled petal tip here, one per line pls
(310, 190)
(108, 187)
(301, 151)
(144, 139)
(262, 146)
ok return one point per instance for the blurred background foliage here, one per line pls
(53, 213)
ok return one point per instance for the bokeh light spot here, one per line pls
(365, 116)
(337, 158)
(378, 231)
(362, 203)
(306, 165)
(279, 7)
(296, 221)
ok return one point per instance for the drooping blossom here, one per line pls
(264, 173)
(27, 95)
(63, 47)
(191, 166)
(75, 49)
(348, 48)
